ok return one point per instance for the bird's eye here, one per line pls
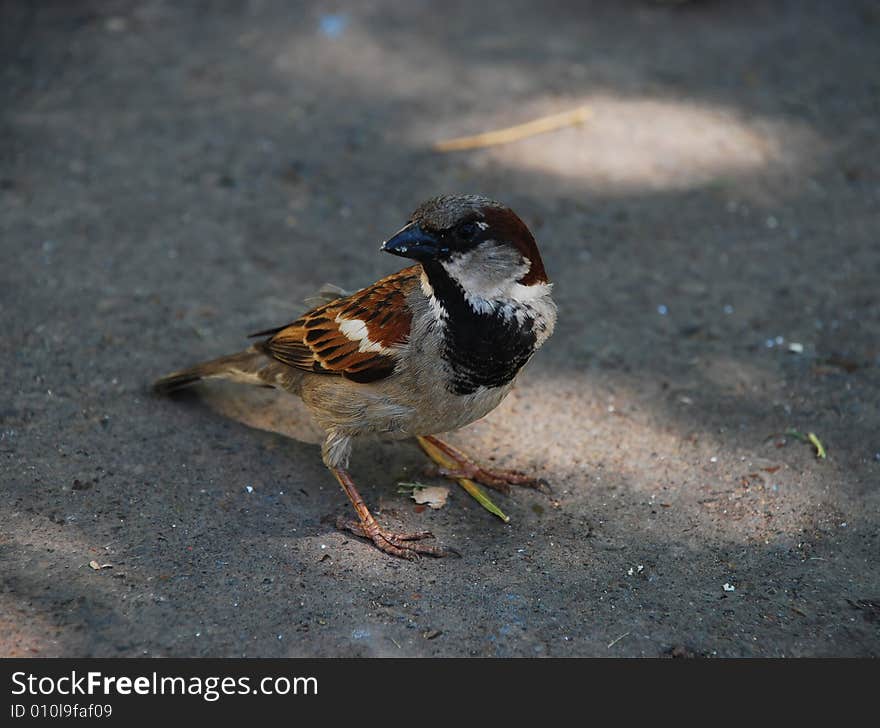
(466, 230)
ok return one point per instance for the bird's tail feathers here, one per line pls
(245, 366)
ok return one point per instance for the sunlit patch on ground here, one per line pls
(263, 409)
(24, 632)
(656, 144)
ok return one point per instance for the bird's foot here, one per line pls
(464, 467)
(499, 480)
(403, 545)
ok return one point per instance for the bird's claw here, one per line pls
(500, 480)
(403, 545)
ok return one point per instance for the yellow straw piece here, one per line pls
(820, 448)
(515, 133)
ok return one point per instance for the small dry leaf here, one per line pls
(433, 496)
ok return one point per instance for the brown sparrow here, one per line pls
(425, 350)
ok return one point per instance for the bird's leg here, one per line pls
(404, 545)
(499, 480)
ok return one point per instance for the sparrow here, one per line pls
(426, 350)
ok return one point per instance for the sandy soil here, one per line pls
(176, 175)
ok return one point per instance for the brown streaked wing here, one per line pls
(355, 336)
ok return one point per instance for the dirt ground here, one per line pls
(174, 176)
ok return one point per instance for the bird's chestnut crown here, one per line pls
(449, 225)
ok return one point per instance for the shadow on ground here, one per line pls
(171, 179)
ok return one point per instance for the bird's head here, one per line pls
(481, 245)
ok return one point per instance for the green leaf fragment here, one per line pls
(812, 438)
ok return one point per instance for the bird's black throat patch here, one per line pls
(483, 349)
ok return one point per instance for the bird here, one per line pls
(421, 352)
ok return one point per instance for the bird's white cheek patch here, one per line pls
(356, 330)
(527, 294)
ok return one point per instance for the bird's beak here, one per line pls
(413, 242)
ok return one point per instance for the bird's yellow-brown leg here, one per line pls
(499, 480)
(403, 545)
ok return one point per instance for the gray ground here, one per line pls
(176, 175)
